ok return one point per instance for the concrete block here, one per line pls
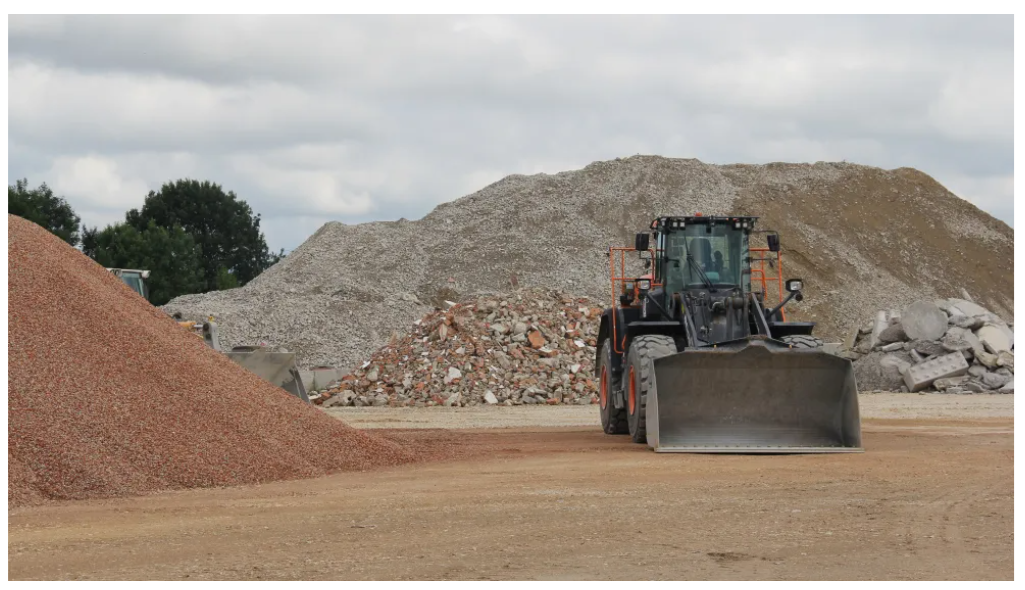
(923, 375)
(892, 347)
(922, 320)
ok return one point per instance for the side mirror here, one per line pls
(641, 242)
(773, 240)
(794, 285)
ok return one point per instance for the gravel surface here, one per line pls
(862, 238)
(108, 396)
(873, 406)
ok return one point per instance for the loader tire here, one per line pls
(802, 341)
(639, 377)
(613, 420)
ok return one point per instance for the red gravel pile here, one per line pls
(108, 396)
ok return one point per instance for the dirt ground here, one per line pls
(931, 498)
(871, 405)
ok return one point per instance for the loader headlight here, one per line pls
(736, 224)
(794, 285)
(643, 285)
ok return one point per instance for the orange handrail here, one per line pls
(764, 279)
(622, 278)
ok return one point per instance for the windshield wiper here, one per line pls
(701, 272)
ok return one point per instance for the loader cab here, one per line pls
(707, 253)
(134, 278)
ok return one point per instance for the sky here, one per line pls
(353, 119)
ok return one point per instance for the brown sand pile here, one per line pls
(109, 397)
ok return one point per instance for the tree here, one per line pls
(41, 206)
(172, 256)
(224, 226)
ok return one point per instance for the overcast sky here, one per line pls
(358, 118)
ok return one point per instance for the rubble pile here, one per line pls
(949, 345)
(532, 346)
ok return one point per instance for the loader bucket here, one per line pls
(278, 368)
(753, 395)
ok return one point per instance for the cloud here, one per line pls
(362, 118)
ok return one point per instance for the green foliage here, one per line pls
(41, 206)
(276, 258)
(225, 280)
(224, 226)
(171, 254)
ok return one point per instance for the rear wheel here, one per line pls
(802, 341)
(640, 377)
(613, 420)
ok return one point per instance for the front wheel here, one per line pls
(613, 420)
(640, 378)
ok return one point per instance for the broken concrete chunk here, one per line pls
(453, 374)
(994, 339)
(994, 380)
(924, 321)
(892, 347)
(959, 339)
(928, 347)
(920, 376)
(893, 333)
(991, 361)
(968, 323)
(965, 307)
(490, 397)
(877, 328)
(949, 382)
(881, 371)
(852, 338)
(1006, 359)
(1008, 387)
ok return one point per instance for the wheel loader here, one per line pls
(692, 358)
(278, 368)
